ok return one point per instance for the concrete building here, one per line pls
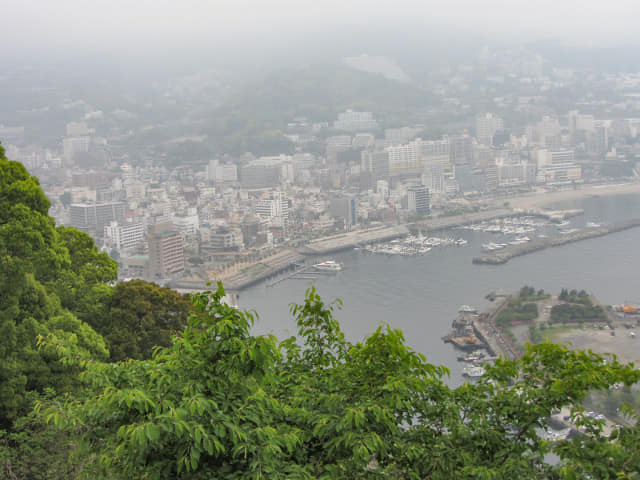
(512, 174)
(460, 150)
(93, 217)
(72, 146)
(418, 200)
(404, 158)
(352, 121)
(126, 236)
(377, 163)
(343, 207)
(486, 127)
(166, 251)
(222, 172)
(275, 208)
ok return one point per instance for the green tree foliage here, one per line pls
(138, 316)
(33, 257)
(221, 403)
(578, 307)
(517, 311)
(82, 286)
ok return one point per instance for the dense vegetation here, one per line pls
(576, 307)
(218, 402)
(521, 308)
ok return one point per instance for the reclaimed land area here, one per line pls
(506, 254)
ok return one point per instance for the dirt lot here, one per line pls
(601, 341)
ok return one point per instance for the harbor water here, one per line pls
(421, 294)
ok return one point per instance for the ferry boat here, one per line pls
(328, 266)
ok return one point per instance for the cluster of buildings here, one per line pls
(163, 222)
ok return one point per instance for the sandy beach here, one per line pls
(543, 199)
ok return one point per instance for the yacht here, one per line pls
(328, 266)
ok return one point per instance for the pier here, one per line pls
(506, 254)
(347, 241)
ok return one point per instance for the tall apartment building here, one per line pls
(93, 217)
(124, 237)
(343, 207)
(460, 150)
(434, 152)
(275, 208)
(418, 199)
(166, 251)
(74, 145)
(377, 163)
(404, 158)
(486, 127)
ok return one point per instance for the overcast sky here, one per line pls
(115, 24)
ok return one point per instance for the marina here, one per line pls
(505, 253)
(413, 245)
(422, 294)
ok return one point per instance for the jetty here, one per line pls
(349, 240)
(506, 254)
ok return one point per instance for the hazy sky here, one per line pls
(116, 24)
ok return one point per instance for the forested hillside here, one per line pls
(84, 393)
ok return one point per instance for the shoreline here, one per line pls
(543, 199)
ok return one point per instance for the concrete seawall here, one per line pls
(506, 254)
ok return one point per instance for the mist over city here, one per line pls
(319, 239)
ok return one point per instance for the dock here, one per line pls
(349, 240)
(300, 272)
(507, 253)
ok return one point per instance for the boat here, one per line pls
(328, 266)
(489, 247)
(473, 372)
(467, 309)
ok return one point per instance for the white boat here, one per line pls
(489, 247)
(328, 266)
(473, 372)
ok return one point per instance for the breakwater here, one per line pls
(506, 254)
(350, 240)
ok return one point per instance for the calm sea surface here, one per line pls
(421, 295)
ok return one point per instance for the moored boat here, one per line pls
(328, 266)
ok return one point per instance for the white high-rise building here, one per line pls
(352, 121)
(123, 236)
(275, 208)
(222, 172)
(382, 187)
(486, 127)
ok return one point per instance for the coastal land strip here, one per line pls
(245, 274)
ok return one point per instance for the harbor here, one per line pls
(506, 253)
(476, 334)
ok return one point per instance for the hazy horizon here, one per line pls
(38, 29)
